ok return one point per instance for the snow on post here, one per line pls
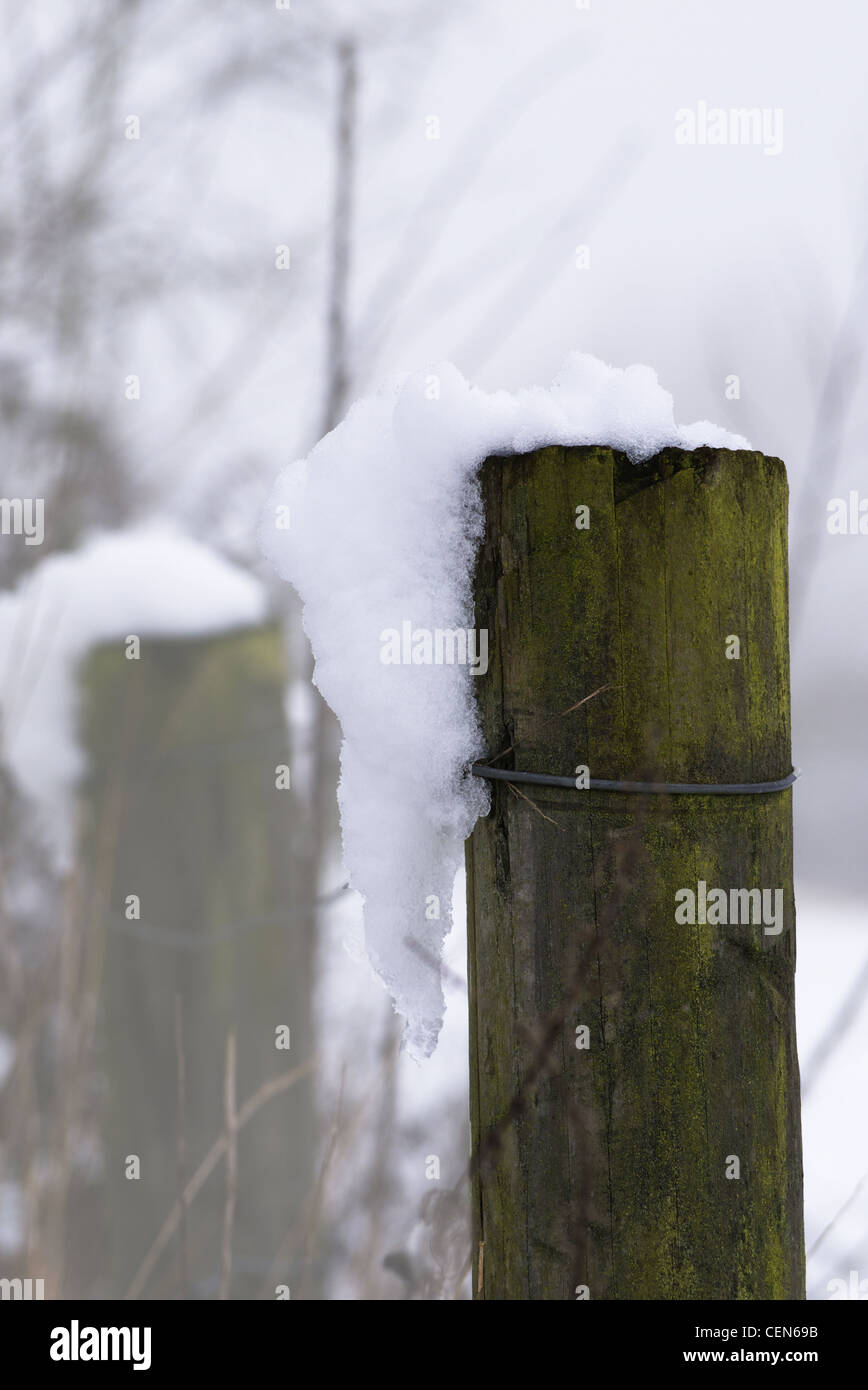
(151, 580)
(378, 529)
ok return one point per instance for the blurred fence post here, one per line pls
(634, 1077)
(187, 848)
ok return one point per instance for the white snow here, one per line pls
(384, 519)
(832, 953)
(150, 581)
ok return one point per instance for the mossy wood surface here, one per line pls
(181, 809)
(612, 1175)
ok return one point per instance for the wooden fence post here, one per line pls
(190, 898)
(634, 1077)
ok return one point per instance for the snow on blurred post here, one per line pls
(634, 1077)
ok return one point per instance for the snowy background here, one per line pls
(220, 226)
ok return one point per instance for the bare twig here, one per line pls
(843, 1020)
(319, 1190)
(231, 1124)
(266, 1092)
(515, 789)
(562, 715)
(183, 1263)
(838, 1214)
(337, 368)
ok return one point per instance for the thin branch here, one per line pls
(554, 717)
(266, 1092)
(319, 1190)
(514, 788)
(183, 1261)
(231, 1123)
(524, 291)
(838, 1214)
(337, 367)
(843, 1020)
(511, 102)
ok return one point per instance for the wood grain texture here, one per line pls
(609, 1171)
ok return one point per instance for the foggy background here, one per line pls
(220, 225)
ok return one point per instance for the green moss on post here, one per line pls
(610, 1171)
